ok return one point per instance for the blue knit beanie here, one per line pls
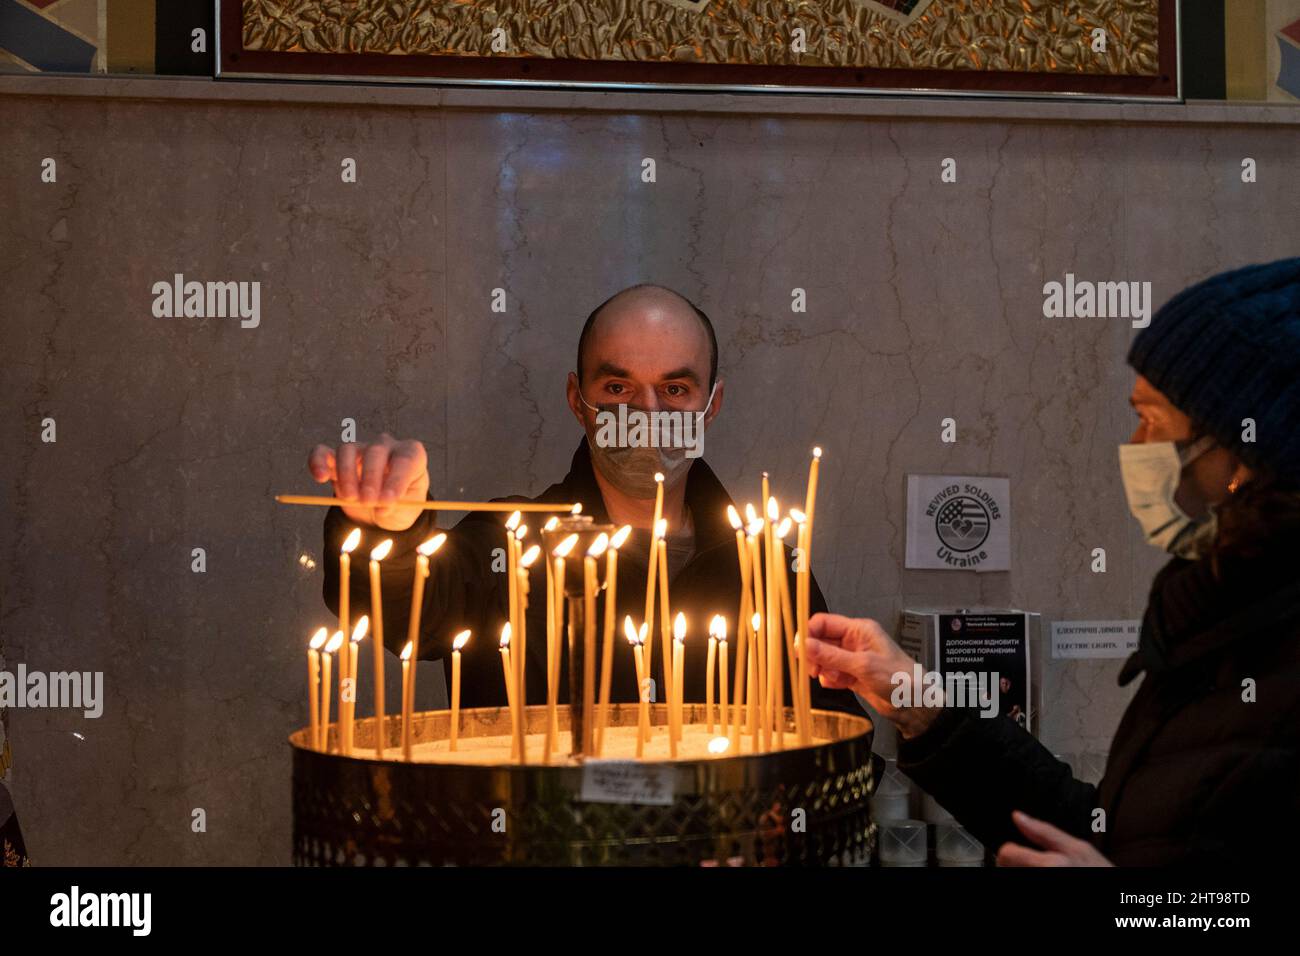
(1228, 349)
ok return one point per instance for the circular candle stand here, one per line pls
(801, 806)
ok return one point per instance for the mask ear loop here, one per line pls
(1195, 450)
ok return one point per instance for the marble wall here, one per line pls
(924, 302)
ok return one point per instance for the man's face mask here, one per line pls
(631, 444)
(1151, 472)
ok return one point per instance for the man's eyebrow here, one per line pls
(683, 372)
(611, 370)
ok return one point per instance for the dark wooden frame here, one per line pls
(234, 61)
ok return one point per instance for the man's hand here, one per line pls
(856, 653)
(374, 475)
(1060, 849)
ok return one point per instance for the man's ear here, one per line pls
(575, 399)
(717, 403)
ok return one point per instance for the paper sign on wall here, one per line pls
(1094, 639)
(958, 523)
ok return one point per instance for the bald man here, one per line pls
(643, 351)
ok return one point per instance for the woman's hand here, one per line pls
(1059, 848)
(857, 654)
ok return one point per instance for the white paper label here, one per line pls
(627, 781)
(1094, 639)
(958, 523)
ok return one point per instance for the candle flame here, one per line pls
(659, 477)
(629, 631)
(529, 556)
(798, 516)
(718, 627)
(679, 627)
(351, 541)
(564, 547)
(407, 650)
(750, 514)
(719, 745)
(598, 546)
(661, 529)
(620, 536)
(318, 639)
(380, 551)
(817, 452)
(513, 521)
(757, 622)
(783, 528)
(335, 643)
(733, 516)
(460, 640)
(773, 512)
(755, 527)
(551, 522)
(577, 509)
(505, 635)
(362, 628)
(520, 532)
(433, 544)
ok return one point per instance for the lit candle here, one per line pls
(679, 652)
(799, 680)
(648, 617)
(665, 614)
(519, 637)
(722, 683)
(590, 584)
(345, 573)
(509, 674)
(775, 686)
(512, 615)
(752, 693)
(313, 683)
(607, 645)
(353, 653)
(742, 558)
(457, 643)
(526, 561)
(377, 554)
(332, 648)
(642, 706)
(550, 623)
(809, 506)
(558, 555)
(710, 672)
(406, 711)
(425, 551)
(757, 694)
(787, 619)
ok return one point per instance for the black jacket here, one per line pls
(1195, 774)
(463, 591)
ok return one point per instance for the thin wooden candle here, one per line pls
(810, 502)
(509, 674)
(710, 673)
(560, 552)
(459, 641)
(608, 622)
(755, 669)
(642, 707)
(759, 658)
(354, 658)
(406, 710)
(512, 614)
(345, 587)
(652, 568)
(591, 584)
(722, 660)
(665, 614)
(679, 653)
(800, 680)
(550, 609)
(423, 553)
(775, 686)
(318, 641)
(787, 619)
(332, 648)
(377, 554)
(324, 501)
(525, 562)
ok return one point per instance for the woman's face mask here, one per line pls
(1151, 472)
(631, 468)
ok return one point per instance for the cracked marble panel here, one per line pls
(924, 301)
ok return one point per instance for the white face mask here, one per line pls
(1151, 472)
(632, 469)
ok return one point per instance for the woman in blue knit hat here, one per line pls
(1205, 764)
